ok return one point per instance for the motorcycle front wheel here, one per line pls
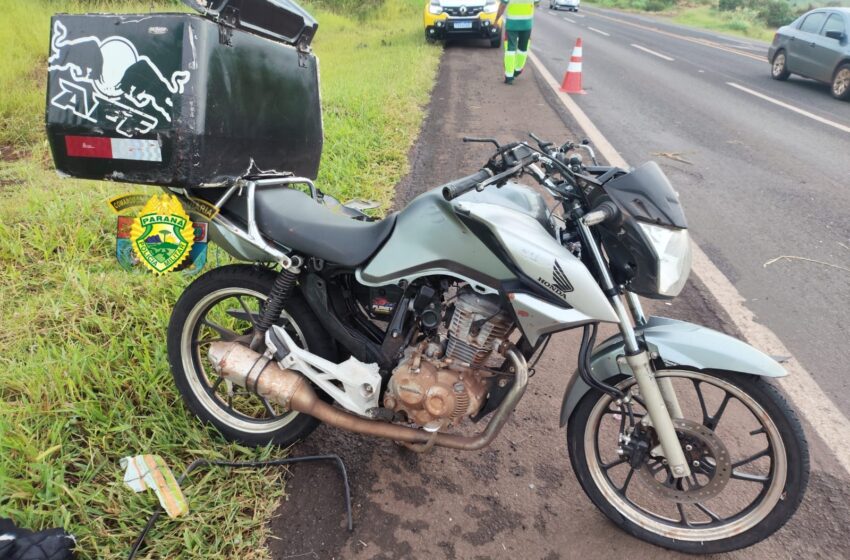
(745, 447)
(224, 304)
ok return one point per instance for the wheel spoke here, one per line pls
(612, 464)
(708, 512)
(216, 383)
(705, 416)
(206, 341)
(626, 483)
(251, 316)
(714, 420)
(268, 407)
(684, 518)
(226, 334)
(749, 477)
(763, 453)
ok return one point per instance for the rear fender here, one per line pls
(676, 343)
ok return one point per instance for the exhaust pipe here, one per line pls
(263, 376)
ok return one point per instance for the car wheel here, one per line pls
(779, 67)
(841, 82)
(496, 42)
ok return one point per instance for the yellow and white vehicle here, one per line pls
(462, 19)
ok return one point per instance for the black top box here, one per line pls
(184, 100)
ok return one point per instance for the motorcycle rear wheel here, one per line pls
(735, 498)
(223, 304)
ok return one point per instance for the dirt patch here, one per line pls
(9, 153)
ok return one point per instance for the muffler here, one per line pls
(291, 390)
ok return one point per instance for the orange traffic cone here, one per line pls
(572, 77)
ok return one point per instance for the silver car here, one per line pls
(815, 46)
(571, 5)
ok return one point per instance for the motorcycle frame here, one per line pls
(660, 399)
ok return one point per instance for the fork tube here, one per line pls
(638, 361)
(636, 308)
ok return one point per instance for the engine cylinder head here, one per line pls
(477, 322)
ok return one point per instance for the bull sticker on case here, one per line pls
(109, 78)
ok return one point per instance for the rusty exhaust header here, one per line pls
(290, 389)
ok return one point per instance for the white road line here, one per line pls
(800, 387)
(569, 20)
(599, 31)
(659, 55)
(797, 110)
(577, 15)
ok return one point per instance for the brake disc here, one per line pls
(708, 458)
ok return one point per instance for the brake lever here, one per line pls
(475, 139)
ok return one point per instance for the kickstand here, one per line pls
(250, 464)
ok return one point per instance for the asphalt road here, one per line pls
(760, 177)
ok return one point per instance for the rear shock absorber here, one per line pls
(281, 290)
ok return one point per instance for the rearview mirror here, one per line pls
(837, 35)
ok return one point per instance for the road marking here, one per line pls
(569, 20)
(577, 15)
(797, 110)
(800, 387)
(658, 54)
(599, 31)
(703, 42)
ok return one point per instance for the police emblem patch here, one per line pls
(162, 236)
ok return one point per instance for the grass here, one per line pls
(84, 379)
(742, 22)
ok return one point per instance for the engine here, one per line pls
(443, 380)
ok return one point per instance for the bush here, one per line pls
(658, 5)
(730, 5)
(775, 13)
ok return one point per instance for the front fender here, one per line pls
(677, 343)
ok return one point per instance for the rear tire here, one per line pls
(781, 494)
(779, 66)
(244, 420)
(495, 42)
(840, 87)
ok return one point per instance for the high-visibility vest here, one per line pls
(519, 10)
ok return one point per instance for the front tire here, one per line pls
(223, 304)
(840, 87)
(697, 515)
(779, 67)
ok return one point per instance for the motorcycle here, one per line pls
(404, 328)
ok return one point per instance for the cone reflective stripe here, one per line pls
(572, 77)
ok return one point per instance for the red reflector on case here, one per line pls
(88, 146)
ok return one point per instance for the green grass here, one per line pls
(84, 379)
(742, 22)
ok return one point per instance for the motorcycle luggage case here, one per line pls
(181, 100)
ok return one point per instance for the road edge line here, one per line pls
(792, 108)
(800, 387)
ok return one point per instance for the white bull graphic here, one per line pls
(111, 71)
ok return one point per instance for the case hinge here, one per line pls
(228, 20)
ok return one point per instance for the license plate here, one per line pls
(463, 25)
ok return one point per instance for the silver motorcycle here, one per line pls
(404, 328)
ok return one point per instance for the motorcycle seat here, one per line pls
(293, 219)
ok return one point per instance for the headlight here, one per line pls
(435, 8)
(673, 248)
(491, 7)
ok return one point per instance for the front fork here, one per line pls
(658, 394)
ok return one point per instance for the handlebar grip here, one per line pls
(607, 211)
(457, 187)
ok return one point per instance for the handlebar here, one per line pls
(457, 187)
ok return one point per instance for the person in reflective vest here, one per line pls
(519, 16)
